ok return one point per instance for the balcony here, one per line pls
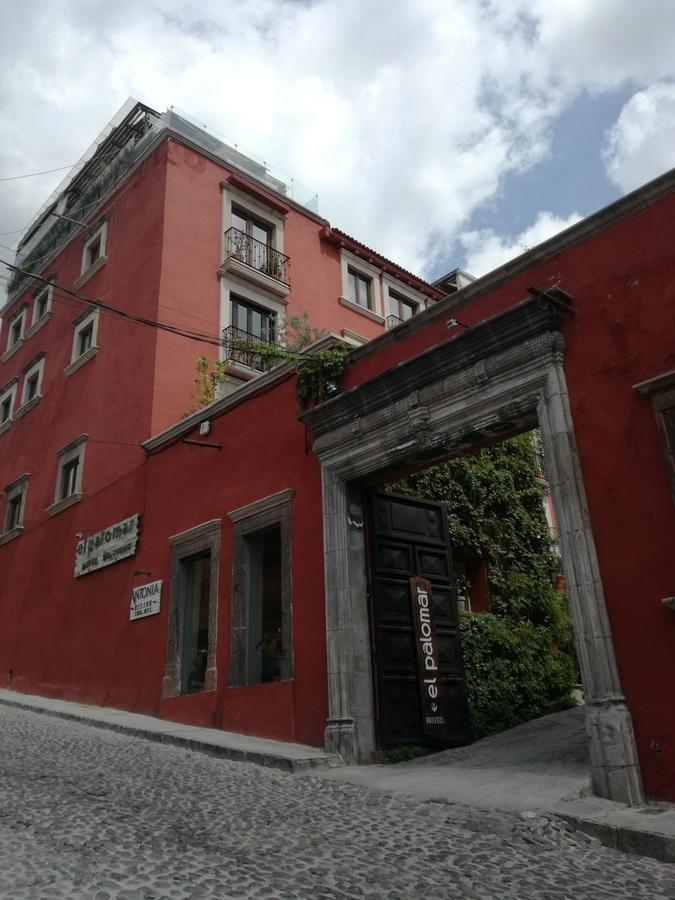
(391, 322)
(257, 262)
(233, 339)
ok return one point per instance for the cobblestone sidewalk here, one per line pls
(86, 813)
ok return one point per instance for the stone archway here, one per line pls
(501, 376)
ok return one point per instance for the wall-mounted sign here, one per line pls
(108, 546)
(434, 720)
(145, 600)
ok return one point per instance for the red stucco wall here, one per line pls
(71, 637)
(110, 397)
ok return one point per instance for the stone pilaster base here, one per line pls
(614, 763)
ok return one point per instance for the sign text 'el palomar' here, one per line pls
(108, 546)
(434, 721)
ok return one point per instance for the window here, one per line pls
(196, 578)
(32, 381)
(661, 392)
(250, 322)
(7, 398)
(14, 507)
(265, 609)
(69, 478)
(42, 303)
(84, 339)
(14, 511)
(361, 286)
(254, 320)
(401, 307)
(191, 648)
(359, 289)
(261, 643)
(93, 251)
(69, 475)
(251, 227)
(16, 329)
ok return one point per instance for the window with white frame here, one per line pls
(32, 379)
(15, 504)
(359, 288)
(254, 267)
(42, 303)
(69, 474)
(401, 307)
(7, 399)
(84, 335)
(93, 250)
(16, 328)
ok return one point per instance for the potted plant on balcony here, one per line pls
(273, 267)
(238, 248)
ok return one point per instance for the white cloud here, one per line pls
(641, 145)
(486, 250)
(405, 115)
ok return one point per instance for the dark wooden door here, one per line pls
(408, 537)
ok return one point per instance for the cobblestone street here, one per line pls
(88, 813)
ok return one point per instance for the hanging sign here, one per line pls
(145, 600)
(108, 546)
(434, 719)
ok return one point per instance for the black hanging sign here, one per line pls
(434, 719)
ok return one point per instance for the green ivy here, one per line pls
(514, 672)
(519, 658)
(317, 373)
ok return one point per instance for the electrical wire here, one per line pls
(60, 168)
(141, 320)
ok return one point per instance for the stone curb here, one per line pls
(269, 760)
(624, 838)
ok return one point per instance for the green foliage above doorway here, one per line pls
(519, 658)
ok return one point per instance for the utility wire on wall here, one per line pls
(141, 320)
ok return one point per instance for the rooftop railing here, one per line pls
(260, 256)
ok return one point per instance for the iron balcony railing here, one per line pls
(260, 256)
(234, 341)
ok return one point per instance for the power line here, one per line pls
(141, 320)
(59, 169)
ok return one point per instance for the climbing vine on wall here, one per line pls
(317, 372)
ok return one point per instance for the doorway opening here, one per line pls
(502, 377)
(482, 531)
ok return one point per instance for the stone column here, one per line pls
(614, 763)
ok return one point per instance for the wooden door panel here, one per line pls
(394, 558)
(396, 652)
(407, 538)
(399, 707)
(432, 563)
(393, 601)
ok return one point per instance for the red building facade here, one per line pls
(235, 500)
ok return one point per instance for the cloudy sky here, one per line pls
(443, 133)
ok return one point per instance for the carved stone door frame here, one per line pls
(500, 377)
